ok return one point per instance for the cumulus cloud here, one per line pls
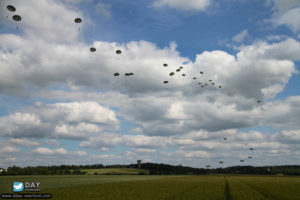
(24, 142)
(73, 120)
(188, 5)
(286, 12)
(47, 151)
(23, 125)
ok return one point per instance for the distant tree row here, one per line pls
(154, 169)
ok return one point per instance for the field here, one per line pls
(136, 187)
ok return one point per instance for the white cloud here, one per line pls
(24, 142)
(47, 151)
(86, 111)
(243, 35)
(286, 12)
(81, 131)
(8, 150)
(23, 125)
(185, 5)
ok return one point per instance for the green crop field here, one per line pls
(136, 187)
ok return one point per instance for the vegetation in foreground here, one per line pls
(133, 187)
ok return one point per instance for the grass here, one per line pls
(134, 187)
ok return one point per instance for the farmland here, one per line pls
(135, 187)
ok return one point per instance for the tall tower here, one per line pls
(139, 163)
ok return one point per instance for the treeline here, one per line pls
(154, 169)
(163, 169)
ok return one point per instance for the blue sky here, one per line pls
(61, 104)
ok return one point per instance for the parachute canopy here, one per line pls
(166, 82)
(220, 86)
(11, 8)
(116, 74)
(92, 49)
(181, 67)
(183, 74)
(201, 72)
(225, 138)
(165, 65)
(78, 20)
(118, 51)
(17, 18)
(194, 78)
(177, 70)
(172, 73)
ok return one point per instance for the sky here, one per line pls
(62, 104)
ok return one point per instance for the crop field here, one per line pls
(136, 187)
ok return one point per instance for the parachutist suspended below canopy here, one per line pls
(11, 8)
(17, 18)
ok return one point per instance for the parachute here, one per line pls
(172, 73)
(11, 8)
(201, 72)
(166, 82)
(92, 49)
(116, 74)
(17, 18)
(118, 51)
(177, 70)
(165, 65)
(183, 74)
(194, 78)
(220, 86)
(78, 20)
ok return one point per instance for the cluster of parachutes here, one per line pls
(12, 9)
(221, 162)
(178, 70)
